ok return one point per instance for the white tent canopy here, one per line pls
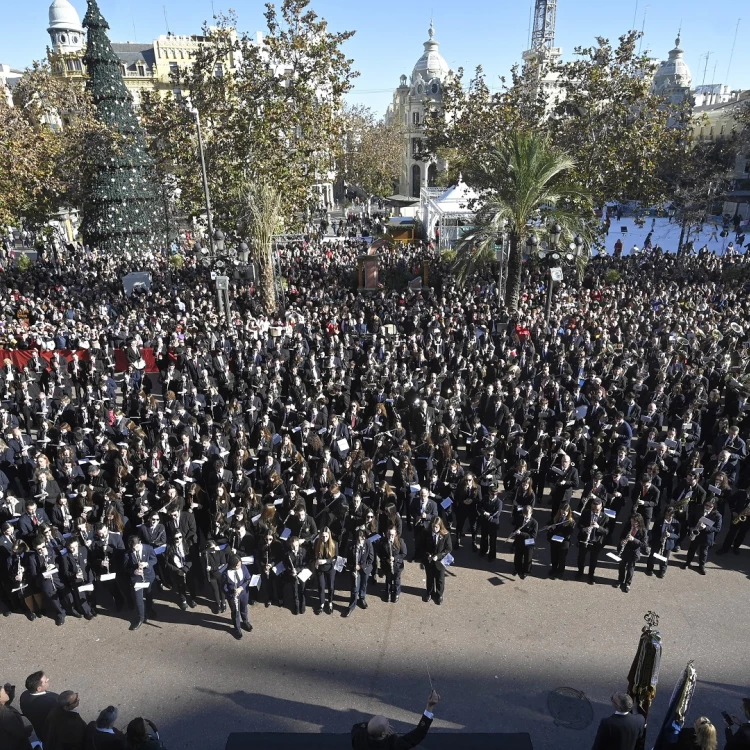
(451, 208)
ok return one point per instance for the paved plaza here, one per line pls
(495, 650)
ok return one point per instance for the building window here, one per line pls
(69, 64)
(75, 40)
(177, 93)
(415, 118)
(78, 65)
(432, 175)
(174, 68)
(416, 180)
(416, 144)
(182, 55)
(141, 71)
(123, 70)
(435, 88)
(218, 70)
(63, 39)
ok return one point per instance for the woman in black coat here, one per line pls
(437, 546)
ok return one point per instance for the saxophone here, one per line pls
(742, 516)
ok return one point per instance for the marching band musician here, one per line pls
(564, 480)
(558, 535)
(392, 552)
(296, 562)
(524, 539)
(139, 566)
(236, 580)
(216, 563)
(664, 538)
(632, 546)
(325, 556)
(437, 547)
(75, 572)
(360, 560)
(702, 535)
(592, 532)
(490, 510)
(645, 498)
(740, 508)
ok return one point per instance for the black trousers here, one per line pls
(54, 595)
(522, 559)
(593, 551)
(626, 569)
(326, 580)
(79, 599)
(435, 578)
(238, 609)
(662, 565)
(464, 513)
(699, 546)
(735, 536)
(144, 601)
(393, 582)
(216, 590)
(298, 594)
(558, 554)
(488, 539)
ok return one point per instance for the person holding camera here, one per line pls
(377, 733)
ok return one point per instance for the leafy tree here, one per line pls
(270, 112)
(476, 118)
(698, 173)
(372, 151)
(48, 140)
(619, 130)
(523, 180)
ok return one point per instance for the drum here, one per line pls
(140, 364)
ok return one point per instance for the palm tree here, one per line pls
(522, 180)
(263, 219)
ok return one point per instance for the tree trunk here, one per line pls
(266, 288)
(682, 236)
(513, 281)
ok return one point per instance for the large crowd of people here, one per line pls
(54, 721)
(330, 444)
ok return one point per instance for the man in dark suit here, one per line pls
(102, 733)
(622, 730)
(64, 728)
(700, 534)
(139, 566)
(37, 701)
(361, 558)
(377, 734)
(30, 521)
(422, 511)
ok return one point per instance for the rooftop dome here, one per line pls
(431, 64)
(673, 73)
(63, 16)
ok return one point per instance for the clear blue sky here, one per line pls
(390, 32)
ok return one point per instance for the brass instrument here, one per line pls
(742, 517)
(696, 531)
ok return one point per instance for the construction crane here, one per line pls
(543, 31)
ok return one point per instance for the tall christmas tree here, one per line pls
(121, 211)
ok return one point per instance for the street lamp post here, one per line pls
(194, 111)
(552, 257)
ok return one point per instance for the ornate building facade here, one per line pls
(421, 93)
(144, 66)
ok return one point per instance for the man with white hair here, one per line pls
(377, 734)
